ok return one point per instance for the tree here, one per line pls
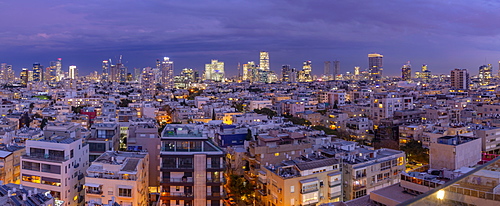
(124, 102)
(269, 112)
(416, 152)
(213, 114)
(335, 104)
(299, 121)
(239, 186)
(248, 137)
(43, 123)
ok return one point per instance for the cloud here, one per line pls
(234, 31)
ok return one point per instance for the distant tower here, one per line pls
(375, 66)
(460, 79)
(250, 72)
(406, 72)
(356, 71)
(264, 61)
(122, 76)
(24, 76)
(306, 74)
(59, 74)
(214, 71)
(105, 71)
(285, 73)
(73, 72)
(326, 71)
(38, 73)
(336, 69)
(6, 73)
(485, 74)
(167, 73)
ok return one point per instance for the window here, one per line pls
(55, 169)
(31, 166)
(124, 192)
(71, 154)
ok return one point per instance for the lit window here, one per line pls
(277, 154)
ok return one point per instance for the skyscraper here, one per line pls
(406, 72)
(122, 75)
(305, 74)
(460, 79)
(326, 71)
(105, 70)
(6, 73)
(250, 72)
(214, 71)
(375, 66)
(336, 69)
(285, 73)
(58, 74)
(24, 76)
(485, 74)
(264, 61)
(73, 72)
(167, 73)
(38, 73)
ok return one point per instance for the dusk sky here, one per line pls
(442, 34)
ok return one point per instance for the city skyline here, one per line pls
(440, 34)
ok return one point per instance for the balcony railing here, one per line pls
(334, 195)
(308, 190)
(113, 177)
(334, 183)
(168, 180)
(178, 194)
(96, 192)
(214, 180)
(47, 157)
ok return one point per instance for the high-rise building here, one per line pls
(336, 69)
(38, 73)
(167, 73)
(285, 73)
(6, 73)
(148, 81)
(406, 72)
(59, 74)
(191, 166)
(250, 72)
(264, 61)
(214, 71)
(122, 75)
(375, 66)
(105, 70)
(425, 74)
(485, 74)
(24, 76)
(356, 71)
(460, 79)
(305, 74)
(326, 70)
(73, 72)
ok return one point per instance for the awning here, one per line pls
(92, 185)
(126, 186)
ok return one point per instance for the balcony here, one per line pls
(308, 190)
(334, 183)
(81, 176)
(112, 176)
(45, 157)
(217, 180)
(177, 194)
(334, 195)
(170, 180)
(95, 192)
(262, 192)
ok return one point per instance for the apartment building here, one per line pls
(105, 137)
(383, 105)
(57, 164)
(307, 180)
(191, 167)
(121, 177)
(364, 169)
(10, 163)
(454, 152)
